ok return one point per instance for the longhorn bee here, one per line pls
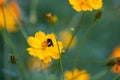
(12, 59)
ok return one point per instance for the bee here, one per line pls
(12, 59)
(50, 43)
(113, 62)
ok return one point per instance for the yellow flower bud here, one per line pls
(52, 19)
(98, 15)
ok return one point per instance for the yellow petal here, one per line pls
(74, 2)
(36, 52)
(34, 42)
(47, 60)
(83, 75)
(32, 51)
(68, 75)
(55, 55)
(86, 7)
(10, 21)
(95, 4)
(60, 46)
(77, 7)
(77, 75)
(40, 36)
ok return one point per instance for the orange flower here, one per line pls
(9, 18)
(15, 8)
(2, 2)
(116, 52)
(115, 60)
(116, 69)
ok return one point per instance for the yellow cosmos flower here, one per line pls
(44, 46)
(9, 18)
(76, 75)
(65, 37)
(86, 5)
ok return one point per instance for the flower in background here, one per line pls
(65, 37)
(76, 75)
(2, 2)
(44, 47)
(35, 64)
(13, 10)
(86, 5)
(116, 60)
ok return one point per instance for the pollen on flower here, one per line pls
(44, 44)
(44, 47)
(86, 5)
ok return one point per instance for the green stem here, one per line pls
(33, 11)
(7, 39)
(19, 64)
(83, 40)
(75, 32)
(1, 56)
(100, 75)
(115, 78)
(59, 52)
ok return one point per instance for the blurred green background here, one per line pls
(98, 46)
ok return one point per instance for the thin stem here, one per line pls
(83, 40)
(100, 75)
(75, 32)
(59, 52)
(1, 56)
(33, 11)
(116, 77)
(11, 45)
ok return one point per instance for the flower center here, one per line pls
(47, 43)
